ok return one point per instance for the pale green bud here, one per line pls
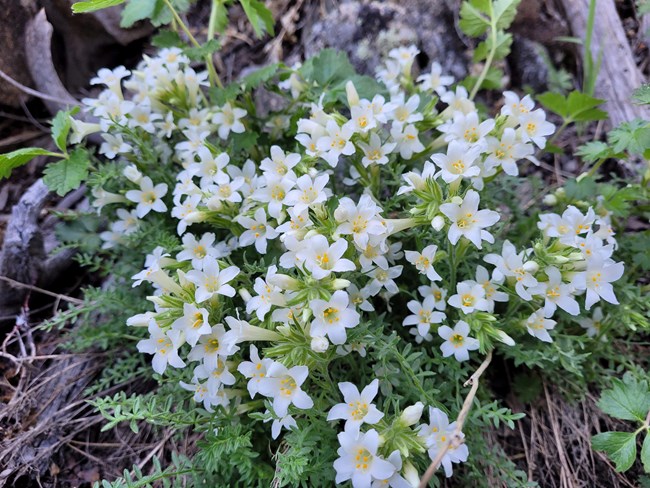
(550, 200)
(411, 475)
(284, 282)
(438, 222)
(411, 415)
(319, 344)
(340, 284)
(351, 92)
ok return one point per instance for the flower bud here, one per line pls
(351, 92)
(559, 259)
(340, 284)
(319, 344)
(503, 337)
(215, 204)
(411, 475)
(244, 294)
(531, 267)
(438, 222)
(457, 200)
(140, 320)
(576, 256)
(284, 281)
(132, 174)
(550, 200)
(165, 282)
(195, 217)
(411, 415)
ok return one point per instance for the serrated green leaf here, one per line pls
(260, 76)
(594, 150)
(219, 96)
(14, 159)
(645, 453)
(329, 67)
(633, 136)
(259, 16)
(166, 38)
(244, 141)
(628, 400)
(474, 20)
(505, 12)
(504, 42)
(93, 5)
(582, 107)
(68, 173)
(620, 447)
(61, 125)
(198, 53)
(220, 17)
(641, 95)
(137, 10)
(554, 102)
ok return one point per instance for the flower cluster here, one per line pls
(331, 263)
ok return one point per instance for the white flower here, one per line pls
(279, 164)
(459, 161)
(457, 341)
(593, 324)
(534, 127)
(319, 344)
(359, 297)
(433, 81)
(211, 281)
(128, 222)
(257, 230)
(274, 192)
(374, 152)
(557, 293)
(490, 287)
(297, 225)
(424, 261)
(439, 295)
(114, 145)
(538, 326)
(164, 347)
(412, 414)
(288, 422)
(255, 369)
(384, 278)
(228, 119)
(362, 118)
(511, 264)
(458, 101)
(567, 227)
(597, 280)
(406, 138)
(468, 221)
(405, 111)
(396, 480)
(466, 127)
(212, 346)
(357, 407)
(507, 151)
(148, 197)
(358, 460)
(423, 315)
(332, 317)
(193, 323)
(268, 295)
(514, 107)
(336, 142)
(310, 191)
(470, 297)
(217, 378)
(198, 251)
(321, 258)
(360, 220)
(437, 435)
(283, 385)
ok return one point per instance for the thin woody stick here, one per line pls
(455, 439)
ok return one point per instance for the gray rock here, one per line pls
(527, 64)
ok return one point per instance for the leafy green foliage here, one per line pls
(68, 173)
(61, 125)
(14, 159)
(94, 5)
(620, 447)
(633, 136)
(136, 11)
(259, 16)
(641, 95)
(576, 107)
(207, 49)
(166, 38)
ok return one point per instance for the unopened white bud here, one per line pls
(284, 281)
(244, 294)
(438, 222)
(194, 217)
(340, 284)
(353, 96)
(411, 415)
(531, 267)
(215, 204)
(140, 320)
(550, 200)
(457, 200)
(411, 475)
(505, 338)
(319, 344)
(132, 173)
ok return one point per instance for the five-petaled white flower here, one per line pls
(255, 370)
(597, 280)
(212, 281)
(556, 293)
(164, 347)
(217, 344)
(437, 435)
(228, 119)
(193, 323)
(468, 221)
(310, 191)
(148, 197)
(357, 407)
(538, 325)
(332, 317)
(257, 232)
(423, 315)
(459, 162)
(469, 297)
(322, 258)
(457, 341)
(198, 251)
(283, 385)
(423, 261)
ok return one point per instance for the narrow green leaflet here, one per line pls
(504, 41)
(641, 95)
(645, 453)
(629, 400)
(259, 16)
(262, 75)
(198, 53)
(620, 447)
(68, 173)
(137, 10)
(19, 157)
(594, 150)
(505, 12)
(633, 136)
(474, 19)
(328, 67)
(93, 5)
(220, 19)
(61, 125)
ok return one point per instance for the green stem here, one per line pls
(491, 54)
(451, 255)
(212, 30)
(595, 167)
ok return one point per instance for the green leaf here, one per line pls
(328, 67)
(645, 453)
(219, 96)
(505, 12)
(61, 125)
(137, 10)
(580, 189)
(620, 447)
(262, 75)
(93, 5)
(244, 141)
(641, 95)
(577, 107)
(166, 38)
(594, 150)
(259, 16)
(554, 102)
(504, 41)
(68, 173)
(633, 136)
(629, 400)
(474, 19)
(207, 49)
(221, 17)
(19, 157)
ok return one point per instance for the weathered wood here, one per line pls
(619, 75)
